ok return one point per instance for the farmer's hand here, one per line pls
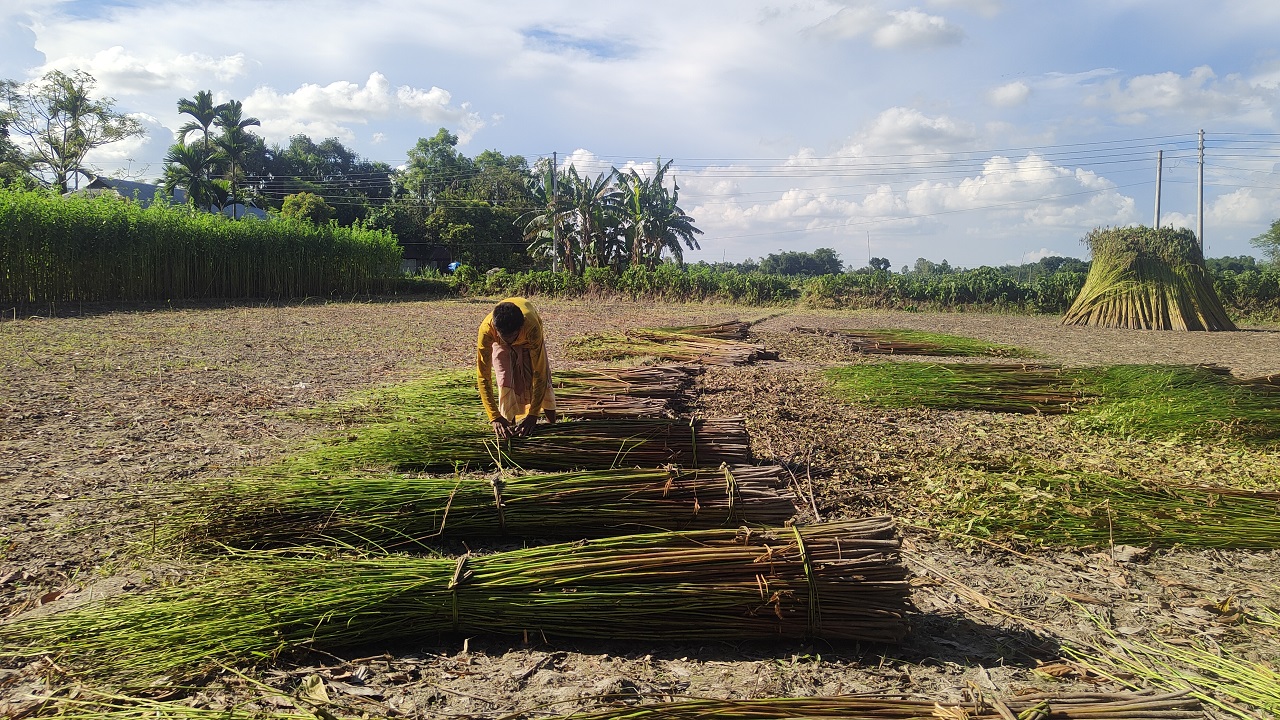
(502, 428)
(526, 426)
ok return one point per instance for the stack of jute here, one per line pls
(834, 581)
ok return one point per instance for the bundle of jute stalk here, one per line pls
(915, 342)
(452, 440)
(88, 705)
(269, 508)
(668, 346)
(837, 581)
(1083, 706)
(581, 393)
(727, 330)
(1147, 279)
(622, 392)
(993, 387)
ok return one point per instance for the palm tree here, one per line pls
(187, 166)
(190, 166)
(204, 112)
(235, 142)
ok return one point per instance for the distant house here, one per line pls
(146, 193)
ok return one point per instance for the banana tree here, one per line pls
(654, 220)
(548, 230)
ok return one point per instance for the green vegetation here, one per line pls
(839, 581)
(68, 249)
(61, 122)
(1144, 401)
(1060, 508)
(1147, 279)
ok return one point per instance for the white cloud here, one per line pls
(1200, 94)
(986, 8)
(902, 129)
(1010, 94)
(1042, 253)
(912, 28)
(120, 72)
(331, 110)
(891, 29)
(1244, 205)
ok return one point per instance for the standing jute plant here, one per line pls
(1147, 279)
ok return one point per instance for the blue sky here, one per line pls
(976, 131)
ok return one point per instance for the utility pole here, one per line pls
(555, 219)
(1159, 170)
(1200, 196)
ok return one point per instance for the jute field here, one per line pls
(112, 419)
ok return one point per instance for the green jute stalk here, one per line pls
(581, 393)
(444, 443)
(1248, 690)
(1011, 388)
(836, 581)
(394, 511)
(665, 345)
(1147, 279)
(1075, 509)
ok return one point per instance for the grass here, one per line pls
(838, 581)
(916, 342)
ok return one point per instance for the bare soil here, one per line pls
(101, 405)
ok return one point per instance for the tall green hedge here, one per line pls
(104, 248)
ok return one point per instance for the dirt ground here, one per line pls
(98, 405)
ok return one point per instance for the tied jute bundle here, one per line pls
(403, 512)
(837, 581)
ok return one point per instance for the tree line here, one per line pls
(491, 210)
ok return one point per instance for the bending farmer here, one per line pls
(510, 346)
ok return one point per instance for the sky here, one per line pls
(981, 132)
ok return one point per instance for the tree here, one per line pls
(880, 264)
(13, 163)
(434, 166)
(187, 166)
(547, 228)
(1269, 242)
(62, 123)
(351, 184)
(823, 261)
(652, 217)
(235, 142)
(306, 206)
